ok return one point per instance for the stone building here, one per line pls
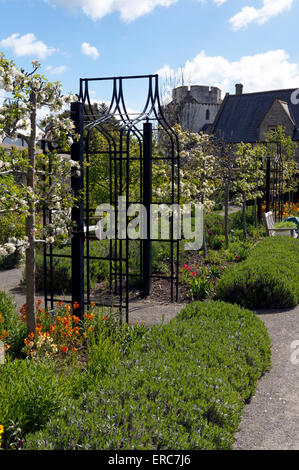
(248, 117)
(194, 108)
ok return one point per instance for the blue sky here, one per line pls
(215, 42)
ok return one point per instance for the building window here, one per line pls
(272, 128)
(207, 115)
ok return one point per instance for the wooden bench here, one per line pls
(271, 231)
(91, 232)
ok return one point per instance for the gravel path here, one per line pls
(10, 283)
(271, 420)
(141, 311)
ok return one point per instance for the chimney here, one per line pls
(239, 89)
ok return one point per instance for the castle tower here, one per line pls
(194, 108)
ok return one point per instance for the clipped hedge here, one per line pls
(182, 387)
(268, 278)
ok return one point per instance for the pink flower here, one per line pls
(194, 274)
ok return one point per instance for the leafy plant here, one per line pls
(12, 330)
(269, 277)
(285, 225)
(183, 386)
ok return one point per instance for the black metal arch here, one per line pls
(115, 150)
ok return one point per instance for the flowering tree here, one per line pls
(278, 142)
(198, 179)
(225, 170)
(249, 175)
(44, 176)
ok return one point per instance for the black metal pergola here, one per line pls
(123, 143)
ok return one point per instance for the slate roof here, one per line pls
(240, 116)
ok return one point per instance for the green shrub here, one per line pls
(10, 261)
(183, 386)
(215, 242)
(13, 324)
(238, 251)
(99, 270)
(62, 268)
(269, 277)
(30, 393)
(236, 219)
(214, 223)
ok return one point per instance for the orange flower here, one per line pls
(76, 319)
(75, 349)
(75, 305)
(93, 304)
(64, 349)
(4, 334)
(105, 317)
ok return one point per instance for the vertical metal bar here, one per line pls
(77, 115)
(87, 215)
(178, 241)
(127, 221)
(120, 219)
(51, 246)
(147, 200)
(44, 225)
(268, 175)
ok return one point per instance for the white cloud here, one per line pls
(26, 45)
(129, 9)
(59, 70)
(259, 72)
(89, 50)
(261, 15)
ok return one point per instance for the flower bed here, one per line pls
(180, 386)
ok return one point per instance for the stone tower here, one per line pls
(194, 108)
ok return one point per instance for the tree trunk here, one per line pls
(30, 225)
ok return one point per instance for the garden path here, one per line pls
(141, 311)
(271, 420)
(10, 282)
